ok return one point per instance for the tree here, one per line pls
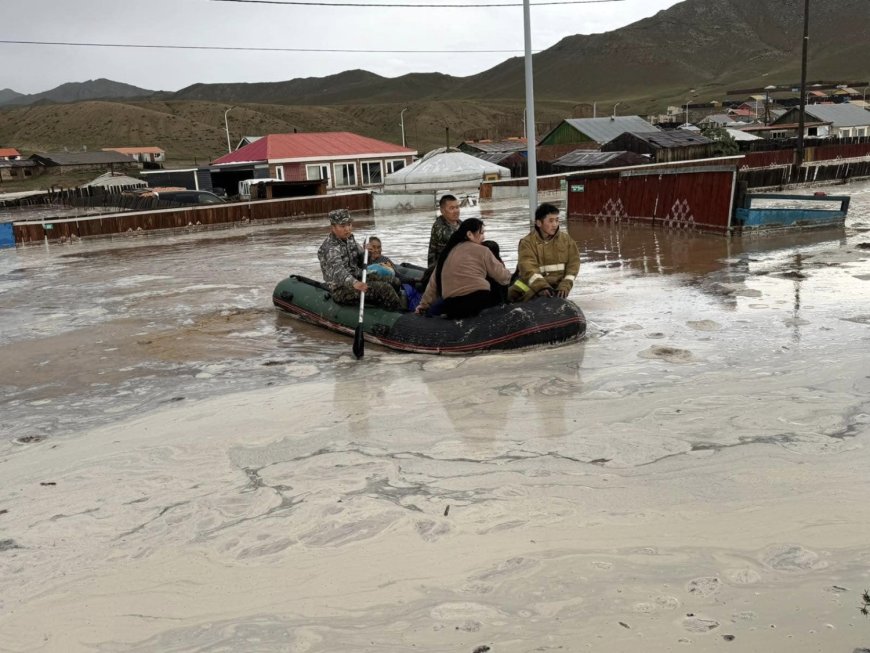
(725, 145)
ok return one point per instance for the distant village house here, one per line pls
(663, 147)
(64, 162)
(148, 156)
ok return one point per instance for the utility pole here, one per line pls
(531, 154)
(799, 152)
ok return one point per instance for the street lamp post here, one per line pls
(688, 99)
(799, 151)
(227, 128)
(767, 90)
(402, 124)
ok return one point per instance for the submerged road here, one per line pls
(182, 468)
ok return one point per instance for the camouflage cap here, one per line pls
(340, 216)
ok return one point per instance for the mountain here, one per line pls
(7, 94)
(348, 86)
(709, 46)
(706, 45)
(94, 89)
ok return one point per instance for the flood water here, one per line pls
(691, 467)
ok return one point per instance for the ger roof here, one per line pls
(443, 167)
(603, 130)
(840, 115)
(312, 146)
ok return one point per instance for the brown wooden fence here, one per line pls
(813, 153)
(213, 214)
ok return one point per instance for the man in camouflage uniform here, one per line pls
(341, 262)
(443, 227)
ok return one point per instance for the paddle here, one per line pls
(359, 343)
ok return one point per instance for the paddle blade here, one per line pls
(359, 343)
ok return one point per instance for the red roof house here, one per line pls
(9, 154)
(343, 158)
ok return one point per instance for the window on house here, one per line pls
(317, 171)
(395, 164)
(279, 173)
(345, 174)
(371, 172)
(813, 131)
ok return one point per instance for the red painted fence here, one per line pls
(692, 197)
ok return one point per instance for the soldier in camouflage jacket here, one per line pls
(341, 260)
(444, 226)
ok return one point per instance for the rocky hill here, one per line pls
(94, 89)
(706, 45)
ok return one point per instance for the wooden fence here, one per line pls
(31, 231)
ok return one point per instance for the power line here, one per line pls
(153, 46)
(314, 3)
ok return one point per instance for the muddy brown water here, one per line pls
(184, 469)
(94, 330)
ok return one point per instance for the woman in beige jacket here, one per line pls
(460, 276)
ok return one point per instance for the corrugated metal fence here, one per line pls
(690, 197)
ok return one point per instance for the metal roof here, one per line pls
(134, 150)
(740, 135)
(674, 138)
(603, 130)
(840, 115)
(312, 145)
(719, 118)
(83, 158)
(497, 146)
(497, 157)
(588, 159)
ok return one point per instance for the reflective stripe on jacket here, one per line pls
(543, 264)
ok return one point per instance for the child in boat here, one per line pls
(382, 267)
(379, 265)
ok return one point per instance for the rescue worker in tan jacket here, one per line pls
(548, 259)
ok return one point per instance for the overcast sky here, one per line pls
(37, 68)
